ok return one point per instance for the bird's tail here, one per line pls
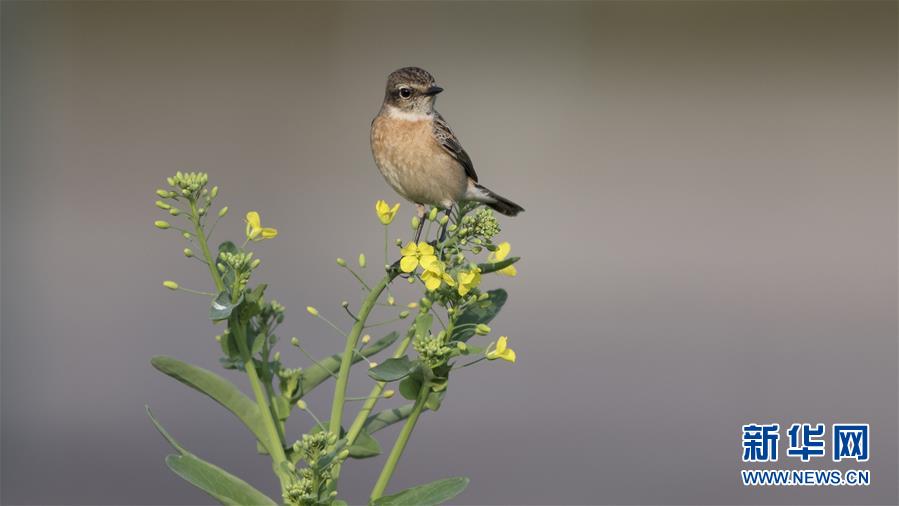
(497, 202)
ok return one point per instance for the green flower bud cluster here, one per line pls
(433, 350)
(312, 446)
(302, 491)
(482, 224)
(242, 263)
(190, 184)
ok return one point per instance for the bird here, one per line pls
(419, 155)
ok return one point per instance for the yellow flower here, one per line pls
(414, 255)
(255, 230)
(385, 212)
(502, 251)
(433, 274)
(468, 280)
(502, 351)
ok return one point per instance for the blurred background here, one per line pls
(710, 236)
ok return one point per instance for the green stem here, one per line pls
(274, 439)
(400, 445)
(370, 402)
(347, 360)
(204, 247)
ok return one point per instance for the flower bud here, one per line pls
(390, 300)
(255, 263)
(174, 211)
(295, 341)
(311, 310)
(484, 296)
(433, 214)
(163, 193)
(188, 252)
(162, 205)
(362, 260)
(410, 280)
(389, 393)
(223, 211)
(170, 181)
(415, 222)
(201, 211)
(450, 310)
(398, 242)
(344, 454)
(452, 228)
(425, 302)
(476, 250)
(482, 330)
(171, 285)
(161, 224)
(341, 262)
(186, 235)
(404, 314)
(301, 404)
(372, 365)
(332, 439)
(220, 266)
(214, 193)
(461, 346)
(366, 338)
(412, 305)
(218, 338)
(345, 304)
(444, 219)
(277, 356)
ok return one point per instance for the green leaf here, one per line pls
(434, 400)
(410, 386)
(429, 494)
(423, 324)
(479, 312)
(393, 369)
(222, 306)
(497, 266)
(215, 481)
(258, 342)
(365, 446)
(228, 247)
(217, 388)
(386, 418)
(168, 437)
(318, 373)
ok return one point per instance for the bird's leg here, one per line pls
(420, 212)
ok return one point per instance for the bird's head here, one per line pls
(411, 90)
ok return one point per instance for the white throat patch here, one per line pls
(396, 113)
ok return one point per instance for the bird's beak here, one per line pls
(433, 90)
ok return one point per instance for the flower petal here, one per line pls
(510, 271)
(502, 251)
(269, 233)
(508, 355)
(408, 263)
(409, 249)
(425, 248)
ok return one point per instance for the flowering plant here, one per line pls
(452, 309)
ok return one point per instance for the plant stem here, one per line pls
(400, 445)
(275, 447)
(204, 247)
(370, 402)
(347, 360)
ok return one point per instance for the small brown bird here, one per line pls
(419, 155)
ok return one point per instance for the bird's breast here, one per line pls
(412, 161)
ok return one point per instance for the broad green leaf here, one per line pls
(218, 388)
(479, 312)
(222, 306)
(386, 418)
(365, 446)
(436, 492)
(410, 386)
(423, 324)
(393, 369)
(215, 481)
(318, 373)
(497, 266)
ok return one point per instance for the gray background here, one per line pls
(710, 236)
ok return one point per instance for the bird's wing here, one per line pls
(447, 139)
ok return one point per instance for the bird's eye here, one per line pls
(405, 92)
